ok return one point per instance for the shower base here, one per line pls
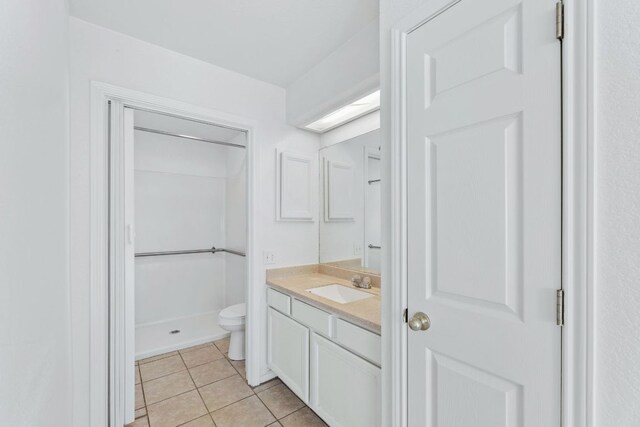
(157, 338)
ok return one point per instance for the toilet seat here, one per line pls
(234, 314)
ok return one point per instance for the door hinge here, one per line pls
(560, 307)
(405, 315)
(560, 20)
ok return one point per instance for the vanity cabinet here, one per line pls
(326, 361)
(345, 389)
(288, 352)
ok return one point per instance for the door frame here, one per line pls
(368, 153)
(102, 410)
(578, 233)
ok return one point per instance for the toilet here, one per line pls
(232, 319)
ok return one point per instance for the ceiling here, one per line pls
(275, 41)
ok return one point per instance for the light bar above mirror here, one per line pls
(342, 115)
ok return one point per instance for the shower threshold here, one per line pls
(157, 338)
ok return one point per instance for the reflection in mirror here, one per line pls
(350, 204)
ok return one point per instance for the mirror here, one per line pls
(350, 211)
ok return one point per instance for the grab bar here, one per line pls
(213, 250)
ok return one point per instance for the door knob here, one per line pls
(419, 322)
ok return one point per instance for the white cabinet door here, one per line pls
(345, 389)
(484, 218)
(288, 352)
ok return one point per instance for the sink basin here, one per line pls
(339, 293)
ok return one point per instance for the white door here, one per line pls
(288, 352)
(122, 265)
(483, 188)
(344, 389)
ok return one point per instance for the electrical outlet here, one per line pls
(268, 257)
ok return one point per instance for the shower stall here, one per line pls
(190, 229)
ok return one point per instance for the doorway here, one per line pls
(113, 347)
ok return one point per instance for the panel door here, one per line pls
(288, 352)
(345, 389)
(484, 181)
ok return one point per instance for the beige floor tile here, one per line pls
(158, 357)
(205, 421)
(137, 369)
(249, 412)
(240, 367)
(201, 356)
(139, 397)
(305, 417)
(167, 386)
(225, 392)
(280, 400)
(212, 371)
(162, 367)
(264, 386)
(140, 412)
(223, 345)
(177, 410)
(276, 424)
(140, 422)
(196, 347)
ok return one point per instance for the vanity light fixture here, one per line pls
(342, 115)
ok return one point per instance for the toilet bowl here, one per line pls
(232, 319)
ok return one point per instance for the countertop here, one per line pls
(364, 313)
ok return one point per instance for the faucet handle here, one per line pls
(366, 282)
(356, 280)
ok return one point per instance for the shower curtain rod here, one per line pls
(213, 250)
(193, 138)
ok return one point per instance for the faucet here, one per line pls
(360, 282)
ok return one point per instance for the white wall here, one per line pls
(103, 55)
(347, 74)
(35, 363)
(617, 216)
(180, 203)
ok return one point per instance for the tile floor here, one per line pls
(201, 387)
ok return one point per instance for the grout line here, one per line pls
(237, 401)
(203, 363)
(265, 383)
(229, 404)
(304, 405)
(198, 390)
(236, 369)
(268, 409)
(157, 378)
(200, 347)
(176, 395)
(144, 398)
(297, 410)
(164, 356)
(185, 365)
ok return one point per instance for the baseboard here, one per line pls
(267, 377)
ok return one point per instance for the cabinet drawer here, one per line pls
(314, 318)
(363, 342)
(279, 301)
